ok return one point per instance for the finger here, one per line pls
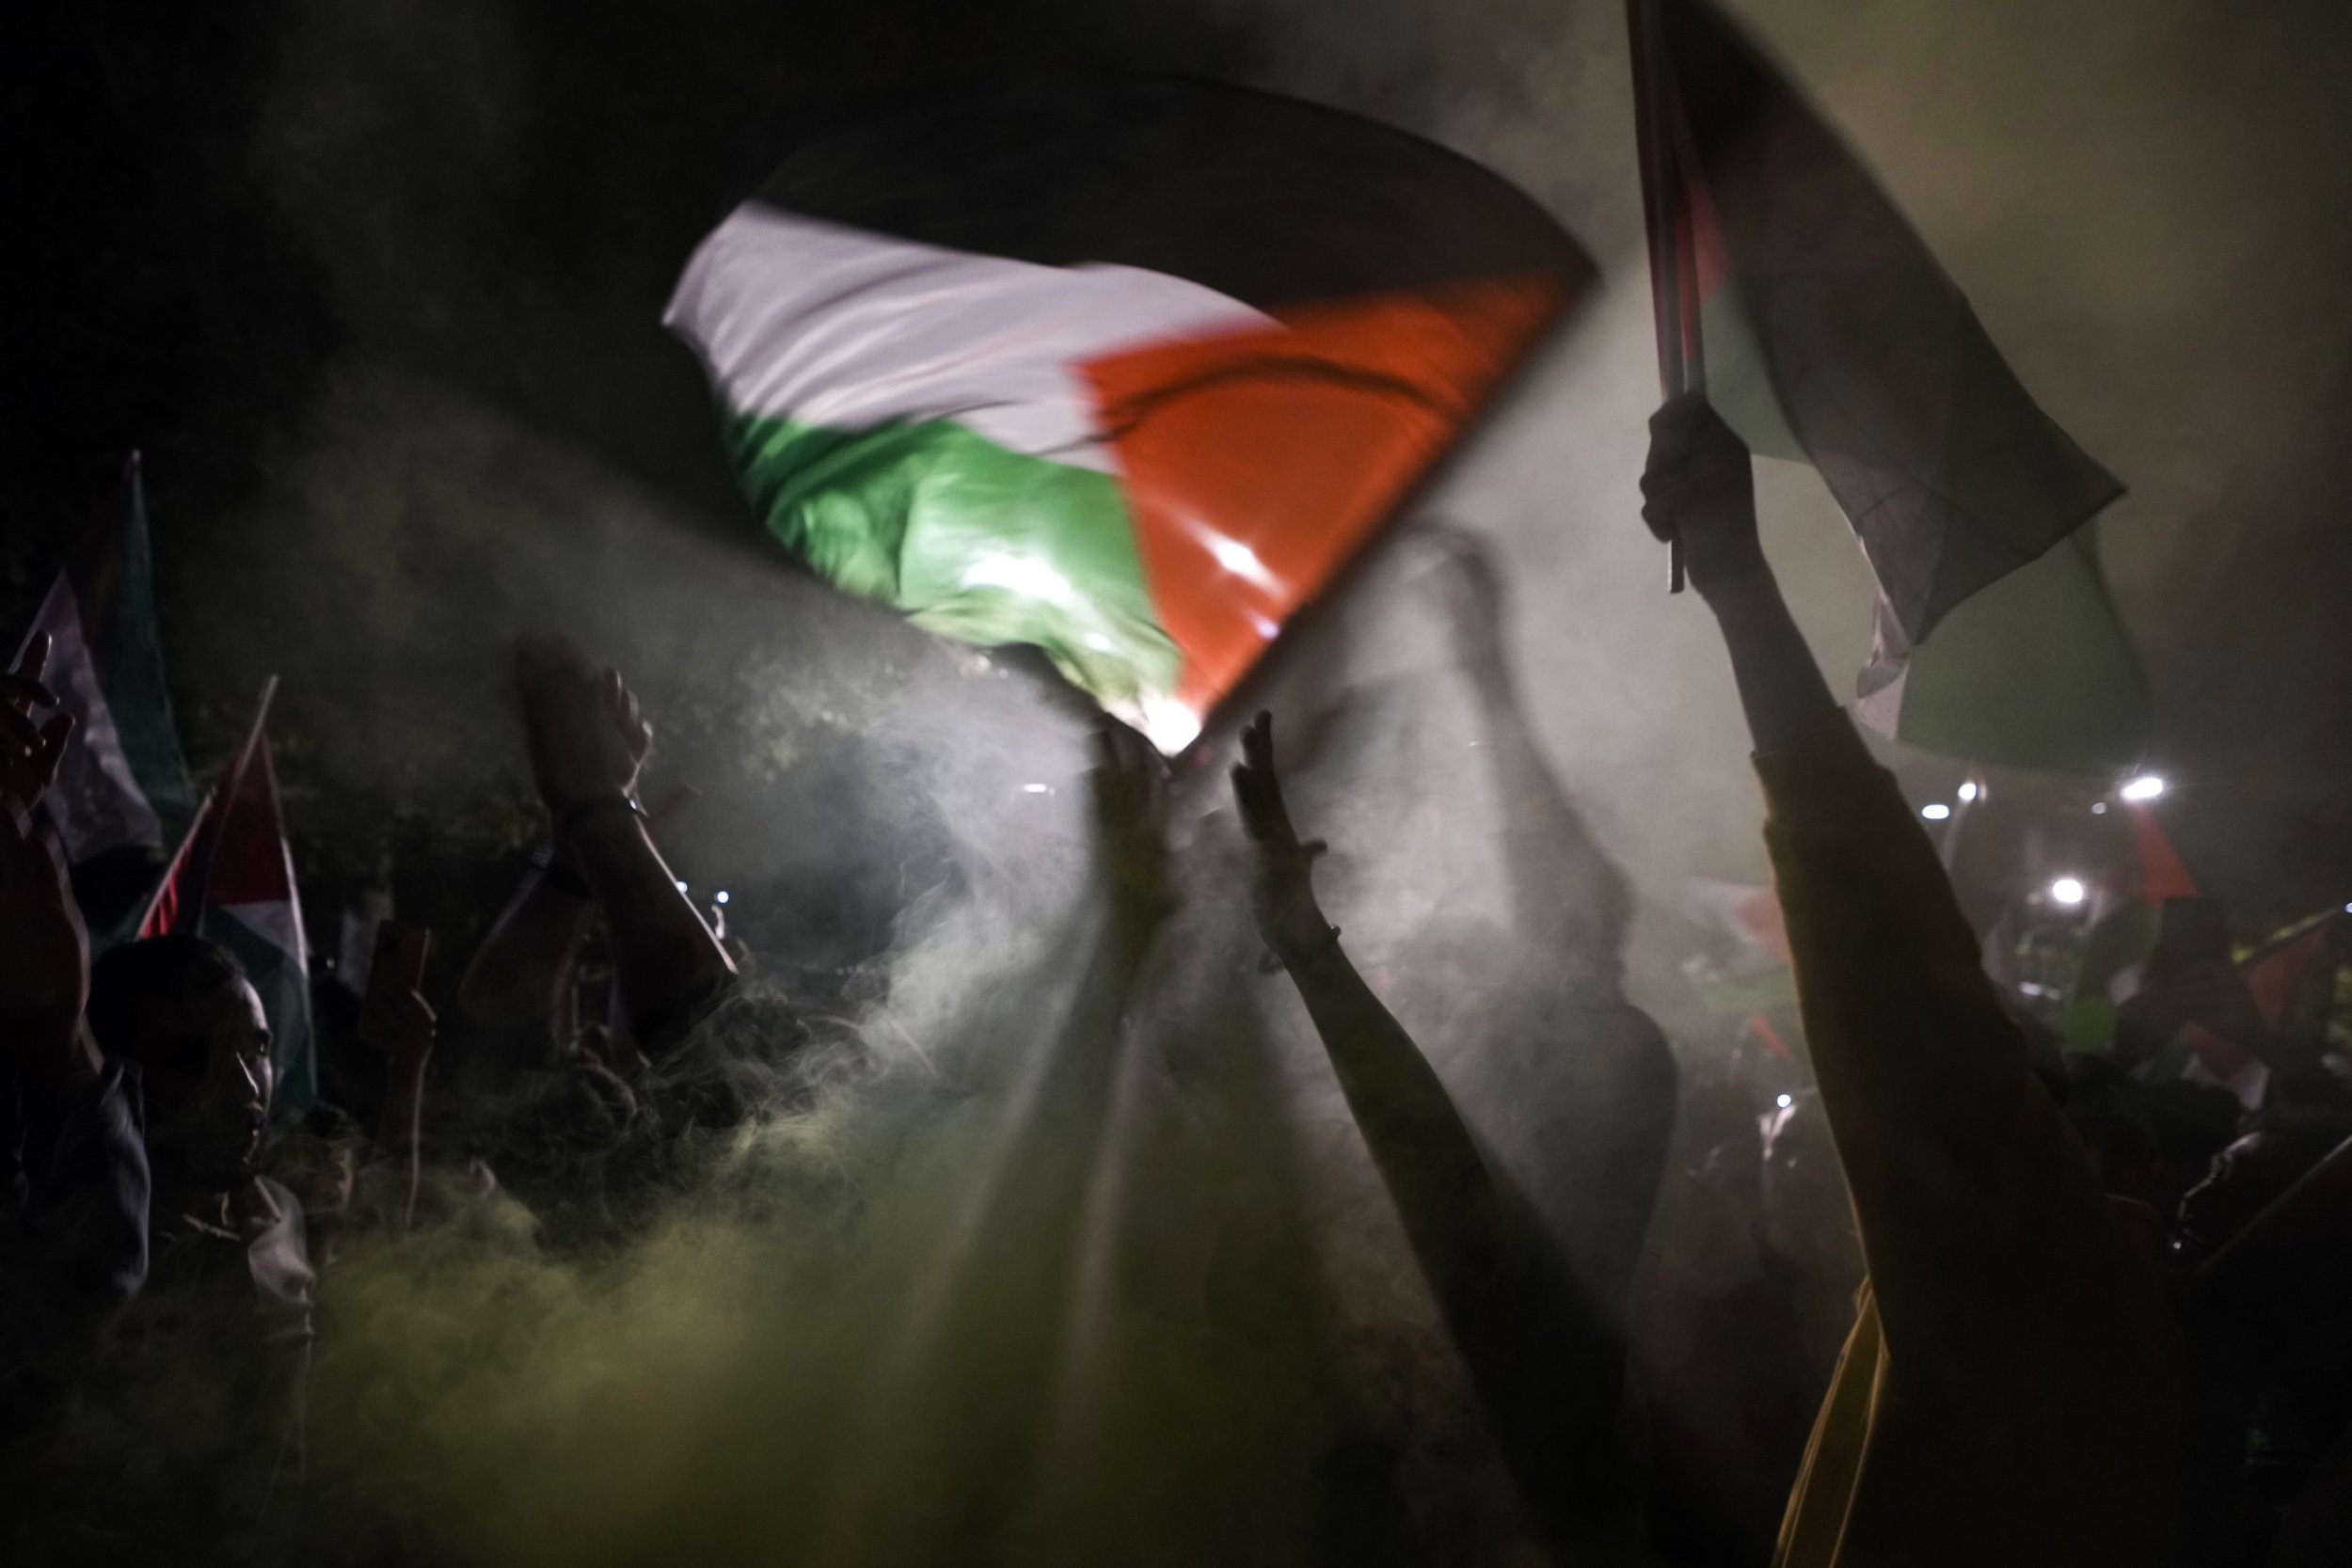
(54, 737)
(35, 658)
(26, 692)
(20, 735)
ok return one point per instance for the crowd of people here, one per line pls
(1962, 1299)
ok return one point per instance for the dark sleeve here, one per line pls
(76, 1245)
(85, 1216)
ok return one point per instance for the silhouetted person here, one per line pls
(1544, 1356)
(2011, 1390)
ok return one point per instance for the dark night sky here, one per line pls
(375, 285)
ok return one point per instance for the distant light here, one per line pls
(1264, 627)
(1969, 790)
(1784, 1101)
(720, 895)
(2068, 890)
(1036, 789)
(1168, 725)
(2347, 909)
(1100, 643)
(1019, 574)
(2098, 808)
(2146, 787)
(681, 887)
(1935, 811)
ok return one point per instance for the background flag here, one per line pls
(232, 881)
(1125, 369)
(123, 793)
(2124, 929)
(1789, 289)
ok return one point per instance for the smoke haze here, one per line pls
(986, 1279)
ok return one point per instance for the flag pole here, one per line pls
(1661, 210)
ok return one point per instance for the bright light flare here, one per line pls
(1968, 791)
(1019, 574)
(1169, 724)
(720, 897)
(2068, 891)
(1935, 811)
(1784, 1101)
(2146, 787)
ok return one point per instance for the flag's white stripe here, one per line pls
(97, 803)
(848, 329)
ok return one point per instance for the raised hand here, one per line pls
(30, 752)
(586, 735)
(1700, 485)
(1282, 892)
(1129, 781)
(399, 1024)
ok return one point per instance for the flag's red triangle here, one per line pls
(2161, 873)
(1257, 463)
(249, 861)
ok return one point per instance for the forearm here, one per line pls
(1568, 898)
(1422, 1146)
(665, 958)
(1543, 1357)
(514, 978)
(1781, 688)
(399, 1134)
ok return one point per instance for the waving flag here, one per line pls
(124, 791)
(232, 881)
(1125, 369)
(1789, 290)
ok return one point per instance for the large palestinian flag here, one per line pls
(124, 791)
(1123, 368)
(1792, 293)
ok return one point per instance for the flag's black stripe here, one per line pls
(1263, 199)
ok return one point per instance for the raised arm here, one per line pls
(1544, 1361)
(588, 740)
(84, 1163)
(1568, 900)
(1948, 1141)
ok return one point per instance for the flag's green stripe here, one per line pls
(923, 516)
(2036, 671)
(1740, 378)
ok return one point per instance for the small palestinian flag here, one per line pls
(2147, 874)
(1789, 290)
(1125, 370)
(232, 881)
(124, 791)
